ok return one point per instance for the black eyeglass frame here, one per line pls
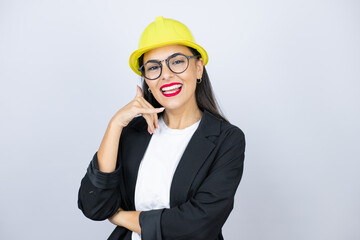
(167, 63)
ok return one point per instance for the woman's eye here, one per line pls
(152, 68)
(178, 61)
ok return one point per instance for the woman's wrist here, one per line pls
(114, 123)
(117, 218)
(120, 212)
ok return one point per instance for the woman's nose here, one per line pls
(166, 72)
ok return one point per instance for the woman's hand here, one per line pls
(138, 106)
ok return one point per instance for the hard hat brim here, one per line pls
(133, 61)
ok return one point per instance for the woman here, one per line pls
(171, 172)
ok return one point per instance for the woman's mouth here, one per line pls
(171, 90)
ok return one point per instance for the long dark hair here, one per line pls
(205, 98)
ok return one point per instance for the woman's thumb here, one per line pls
(138, 91)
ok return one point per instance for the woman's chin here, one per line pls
(169, 106)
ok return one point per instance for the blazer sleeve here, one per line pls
(204, 214)
(99, 195)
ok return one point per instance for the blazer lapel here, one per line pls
(195, 154)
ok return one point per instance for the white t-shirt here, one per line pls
(158, 166)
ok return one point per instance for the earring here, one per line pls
(149, 90)
(199, 80)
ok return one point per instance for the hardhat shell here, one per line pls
(163, 32)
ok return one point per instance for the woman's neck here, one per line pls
(180, 119)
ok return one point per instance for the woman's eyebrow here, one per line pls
(165, 58)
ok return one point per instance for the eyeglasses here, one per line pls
(177, 63)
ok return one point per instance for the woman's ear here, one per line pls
(199, 68)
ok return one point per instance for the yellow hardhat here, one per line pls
(162, 32)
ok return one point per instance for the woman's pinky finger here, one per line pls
(156, 121)
(152, 110)
(149, 120)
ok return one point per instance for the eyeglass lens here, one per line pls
(177, 64)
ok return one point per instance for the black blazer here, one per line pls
(202, 190)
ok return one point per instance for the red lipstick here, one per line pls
(171, 92)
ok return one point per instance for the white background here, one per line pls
(286, 72)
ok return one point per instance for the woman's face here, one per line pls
(184, 96)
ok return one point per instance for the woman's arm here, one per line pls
(108, 149)
(100, 192)
(99, 195)
(127, 219)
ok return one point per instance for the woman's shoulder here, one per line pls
(228, 139)
(227, 127)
